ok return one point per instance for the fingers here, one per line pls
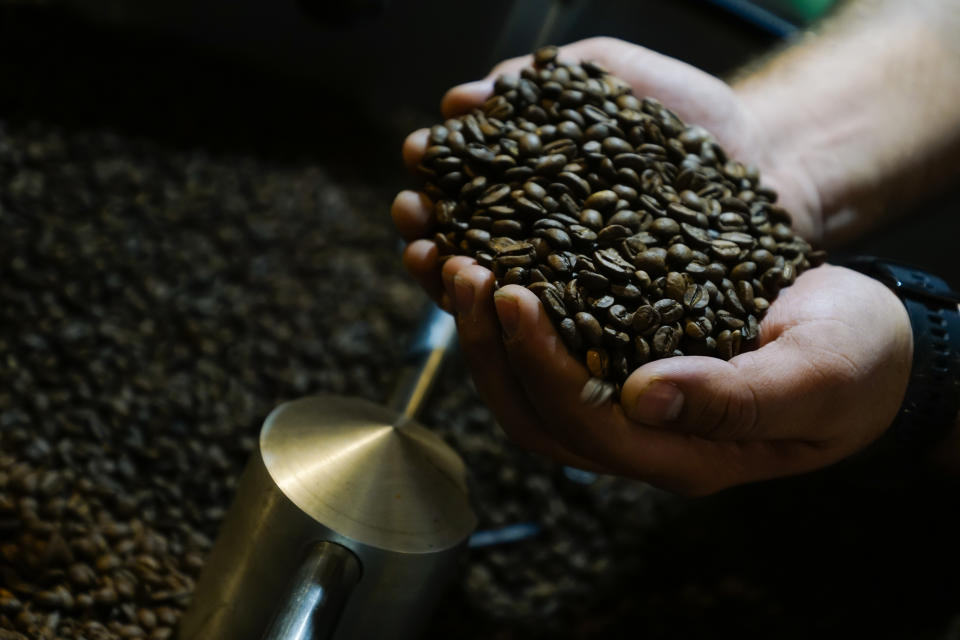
(470, 288)
(551, 381)
(422, 260)
(413, 147)
(772, 393)
(832, 358)
(551, 378)
(464, 97)
(412, 213)
(694, 95)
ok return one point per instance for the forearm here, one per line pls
(868, 110)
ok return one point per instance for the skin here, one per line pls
(834, 349)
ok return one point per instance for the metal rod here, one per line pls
(424, 359)
(318, 591)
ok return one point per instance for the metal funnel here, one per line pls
(347, 522)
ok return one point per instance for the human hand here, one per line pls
(532, 384)
(830, 371)
(697, 97)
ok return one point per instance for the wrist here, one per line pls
(928, 415)
(865, 122)
(783, 157)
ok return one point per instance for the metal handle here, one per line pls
(423, 362)
(317, 594)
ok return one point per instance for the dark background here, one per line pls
(284, 75)
(270, 95)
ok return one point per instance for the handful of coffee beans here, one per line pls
(641, 238)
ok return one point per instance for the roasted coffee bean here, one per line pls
(478, 238)
(653, 261)
(570, 335)
(619, 364)
(731, 222)
(645, 319)
(507, 228)
(679, 255)
(550, 165)
(516, 275)
(476, 151)
(620, 203)
(559, 264)
(675, 285)
(724, 250)
(665, 340)
(494, 194)
(615, 339)
(715, 272)
(601, 303)
(564, 147)
(563, 219)
(670, 310)
(593, 282)
(627, 218)
(744, 291)
(728, 343)
(611, 234)
(598, 362)
(641, 349)
(612, 264)
(619, 316)
(591, 218)
(696, 270)
(626, 292)
(772, 279)
(601, 200)
(744, 271)
(557, 238)
(665, 227)
(695, 298)
(596, 392)
(698, 328)
(613, 146)
(732, 303)
(751, 329)
(682, 214)
(590, 328)
(501, 211)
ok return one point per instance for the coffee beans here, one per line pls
(156, 305)
(653, 242)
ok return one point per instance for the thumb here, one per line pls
(790, 388)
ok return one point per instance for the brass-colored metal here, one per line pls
(368, 474)
(424, 360)
(369, 480)
(314, 600)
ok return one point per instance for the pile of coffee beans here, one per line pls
(156, 303)
(641, 238)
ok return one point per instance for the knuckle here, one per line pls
(728, 413)
(604, 42)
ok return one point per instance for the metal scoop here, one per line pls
(347, 522)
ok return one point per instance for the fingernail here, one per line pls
(476, 85)
(660, 402)
(507, 311)
(463, 293)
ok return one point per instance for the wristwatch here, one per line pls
(932, 400)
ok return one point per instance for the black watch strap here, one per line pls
(932, 400)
